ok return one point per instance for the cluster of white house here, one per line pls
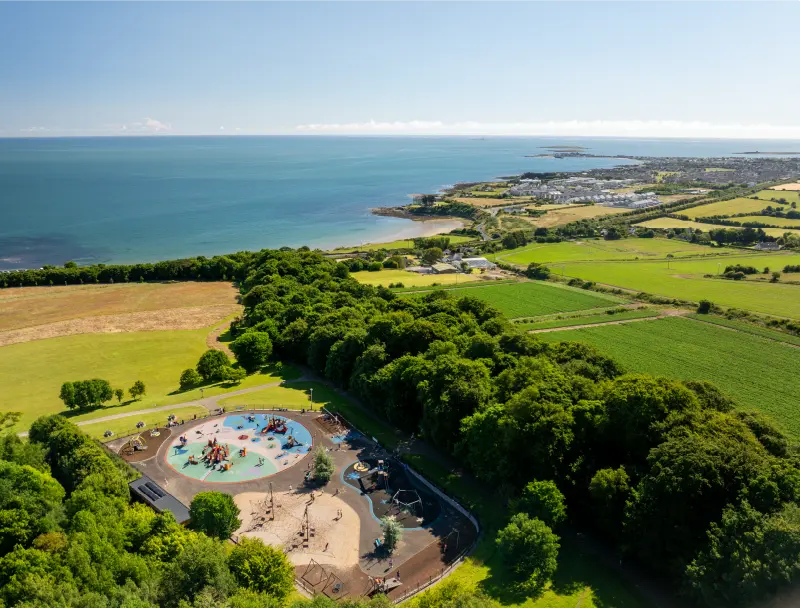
(454, 262)
(584, 190)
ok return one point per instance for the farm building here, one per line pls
(480, 263)
(442, 268)
(767, 246)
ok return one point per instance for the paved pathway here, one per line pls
(210, 403)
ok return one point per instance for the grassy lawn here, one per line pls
(752, 370)
(127, 426)
(425, 289)
(559, 217)
(294, 396)
(31, 373)
(788, 195)
(665, 223)
(412, 279)
(736, 205)
(533, 298)
(685, 279)
(598, 249)
(589, 320)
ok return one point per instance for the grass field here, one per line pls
(754, 371)
(293, 396)
(412, 279)
(127, 426)
(455, 239)
(684, 279)
(773, 221)
(665, 223)
(559, 217)
(36, 306)
(598, 249)
(748, 328)
(530, 299)
(589, 319)
(724, 208)
(791, 187)
(789, 196)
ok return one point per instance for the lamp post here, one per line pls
(201, 393)
(311, 398)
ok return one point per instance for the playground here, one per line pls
(241, 447)
(390, 491)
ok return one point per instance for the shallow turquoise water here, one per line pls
(151, 198)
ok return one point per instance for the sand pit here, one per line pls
(332, 540)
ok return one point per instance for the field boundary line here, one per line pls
(739, 331)
(584, 325)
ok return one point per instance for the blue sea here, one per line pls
(153, 198)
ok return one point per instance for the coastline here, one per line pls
(419, 227)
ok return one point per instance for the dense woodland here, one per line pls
(669, 473)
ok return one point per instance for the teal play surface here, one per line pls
(252, 453)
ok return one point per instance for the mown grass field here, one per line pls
(723, 208)
(533, 298)
(774, 221)
(788, 195)
(589, 319)
(758, 373)
(598, 249)
(34, 306)
(684, 279)
(412, 279)
(670, 222)
(559, 217)
(127, 426)
(293, 396)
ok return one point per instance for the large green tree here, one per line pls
(211, 364)
(252, 350)
(261, 568)
(215, 514)
(530, 550)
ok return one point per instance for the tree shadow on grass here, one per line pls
(579, 568)
(88, 410)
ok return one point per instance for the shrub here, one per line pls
(323, 465)
(261, 568)
(704, 307)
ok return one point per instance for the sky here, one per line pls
(569, 68)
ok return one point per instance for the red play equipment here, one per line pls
(275, 425)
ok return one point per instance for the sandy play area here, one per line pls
(334, 528)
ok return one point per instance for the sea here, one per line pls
(144, 199)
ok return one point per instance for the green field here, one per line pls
(123, 427)
(790, 196)
(749, 328)
(412, 279)
(623, 249)
(758, 373)
(665, 223)
(31, 373)
(292, 396)
(684, 279)
(533, 298)
(772, 221)
(723, 208)
(455, 239)
(589, 319)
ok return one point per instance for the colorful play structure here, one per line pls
(134, 444)
(274, 425)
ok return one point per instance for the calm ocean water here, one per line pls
(147, 199)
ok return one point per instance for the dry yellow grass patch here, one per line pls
(36, 306)
(155, 320)
(573, 214)
(793, 187)
(492, 202)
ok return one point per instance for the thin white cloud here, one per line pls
(146, 125)
(596, 128)
(35, 130)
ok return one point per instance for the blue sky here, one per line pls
(683, 69)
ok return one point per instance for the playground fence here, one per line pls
(420, 586)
